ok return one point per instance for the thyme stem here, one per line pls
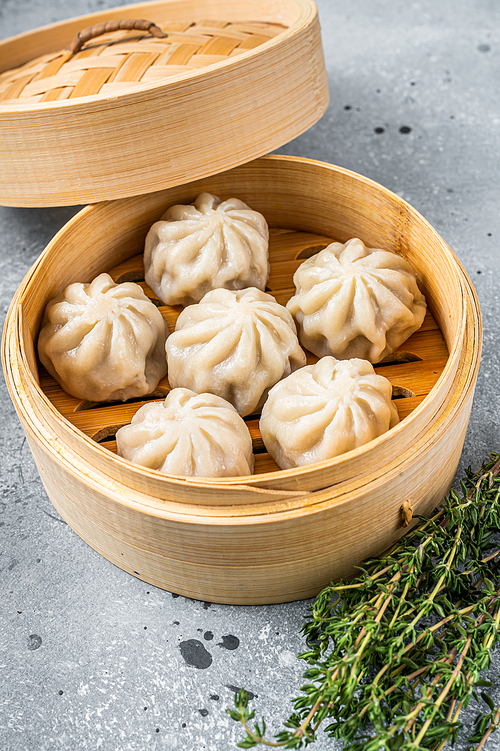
(399, 650)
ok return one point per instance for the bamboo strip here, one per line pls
(253, 41)
(101, 61)
(91, 82)
(56, 94)
(12, 91)
(41, 85)
(178, 54)
(154, 74)
(201, 61)
(269, 28)
(219, 45)
(53, 68)
(134, 67)
(207, 24)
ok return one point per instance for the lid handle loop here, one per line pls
(106, 26)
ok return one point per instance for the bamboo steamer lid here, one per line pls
(134, 110)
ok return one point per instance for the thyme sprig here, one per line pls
(396, 654)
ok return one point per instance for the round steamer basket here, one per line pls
(133, 112)
(277, 535)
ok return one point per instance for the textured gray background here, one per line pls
(91, 658)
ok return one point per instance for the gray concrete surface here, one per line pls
(91, 658)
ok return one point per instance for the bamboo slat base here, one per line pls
(413, 369)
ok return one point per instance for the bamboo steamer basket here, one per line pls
(132, 113)
(277, 535)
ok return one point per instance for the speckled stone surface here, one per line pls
(91, 658)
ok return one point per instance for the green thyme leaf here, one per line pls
(397, 652)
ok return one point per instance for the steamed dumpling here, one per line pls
(236, 344)
(188, 434)
(208, 245)
(104, 341)
(324, 410)
(354, 301)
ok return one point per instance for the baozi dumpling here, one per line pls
(104, 341)
(236, 344)
(354, 301)
(188, 434)
(208, 245)
(324, 410)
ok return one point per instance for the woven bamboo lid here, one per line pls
(131, 107)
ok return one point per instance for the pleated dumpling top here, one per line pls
(188, 434)
(234, 343)
(104, 341)
(355, 301)
(324, 410)
(210, 244)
